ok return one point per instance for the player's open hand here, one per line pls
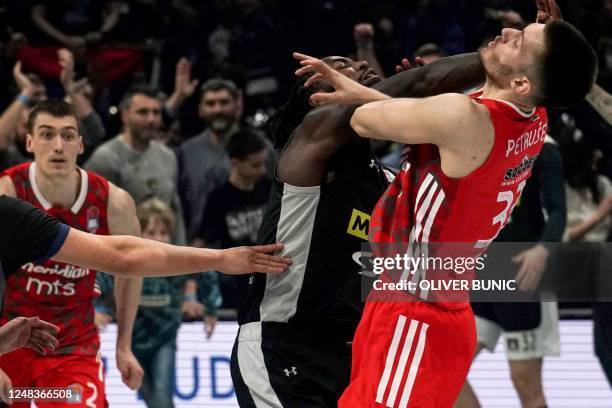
(243, 260)
(548, 10)
(131, 371)
(346, 91)
(30, 332)
(532, 263)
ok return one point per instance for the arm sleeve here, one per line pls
(552, 190)
(28, 234)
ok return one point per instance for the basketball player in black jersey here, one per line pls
(292, 347)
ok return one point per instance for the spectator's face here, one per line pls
(510, 56)
(55, 143)
(219, 110)
(142, 118)
(157, 230)
(253, 167)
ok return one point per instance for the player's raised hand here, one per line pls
(21, 79)
(243, 260)
(346, 91)
(30, 332)
(183, 84)
(548, 10)
(131, 371)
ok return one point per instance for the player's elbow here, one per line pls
(126, 260)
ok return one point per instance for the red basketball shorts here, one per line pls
(83, 374)
(410, 354)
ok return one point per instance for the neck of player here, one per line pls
(60, 191)
(491, 90)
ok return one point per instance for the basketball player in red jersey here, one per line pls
(468, 160)
(62, 293)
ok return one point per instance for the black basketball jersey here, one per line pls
(323, 228)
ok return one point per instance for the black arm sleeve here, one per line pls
(552, 189)
(28, 234)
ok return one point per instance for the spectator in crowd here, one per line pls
(589, 204)
(79, 94)
(74, 23)
(234, 210)
(203, 161)
(159, 314)
(138, 163)
(13, 129)
(13, 121)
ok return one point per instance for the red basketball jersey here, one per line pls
(423, 210)
(57, 292)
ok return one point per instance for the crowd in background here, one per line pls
(172, 97)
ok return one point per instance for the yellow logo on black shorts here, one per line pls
(359, 224)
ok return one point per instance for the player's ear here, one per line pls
(29, 143)
(521, 85)
(81, 145)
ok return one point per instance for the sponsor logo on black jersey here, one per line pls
(359, 224)
(526, 164)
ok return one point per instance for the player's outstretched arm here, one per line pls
(414, 121)
(132, 256)
(122, 220)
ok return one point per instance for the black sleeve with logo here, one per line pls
(28, 234)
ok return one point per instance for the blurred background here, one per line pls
(221, 67)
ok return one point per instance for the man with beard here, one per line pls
(135, 161)
(203, 161)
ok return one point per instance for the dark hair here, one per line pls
(578, 168)
(57, 108)
(285, 119)
(219, 84)
(428, 49)
(568, 66)
(244, 143)
(139, 89)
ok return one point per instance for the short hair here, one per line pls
(57, 108)
(220, 84)
(140, 89)
(568, 67)
(155, 207)
(244, 143)
(428, 49)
